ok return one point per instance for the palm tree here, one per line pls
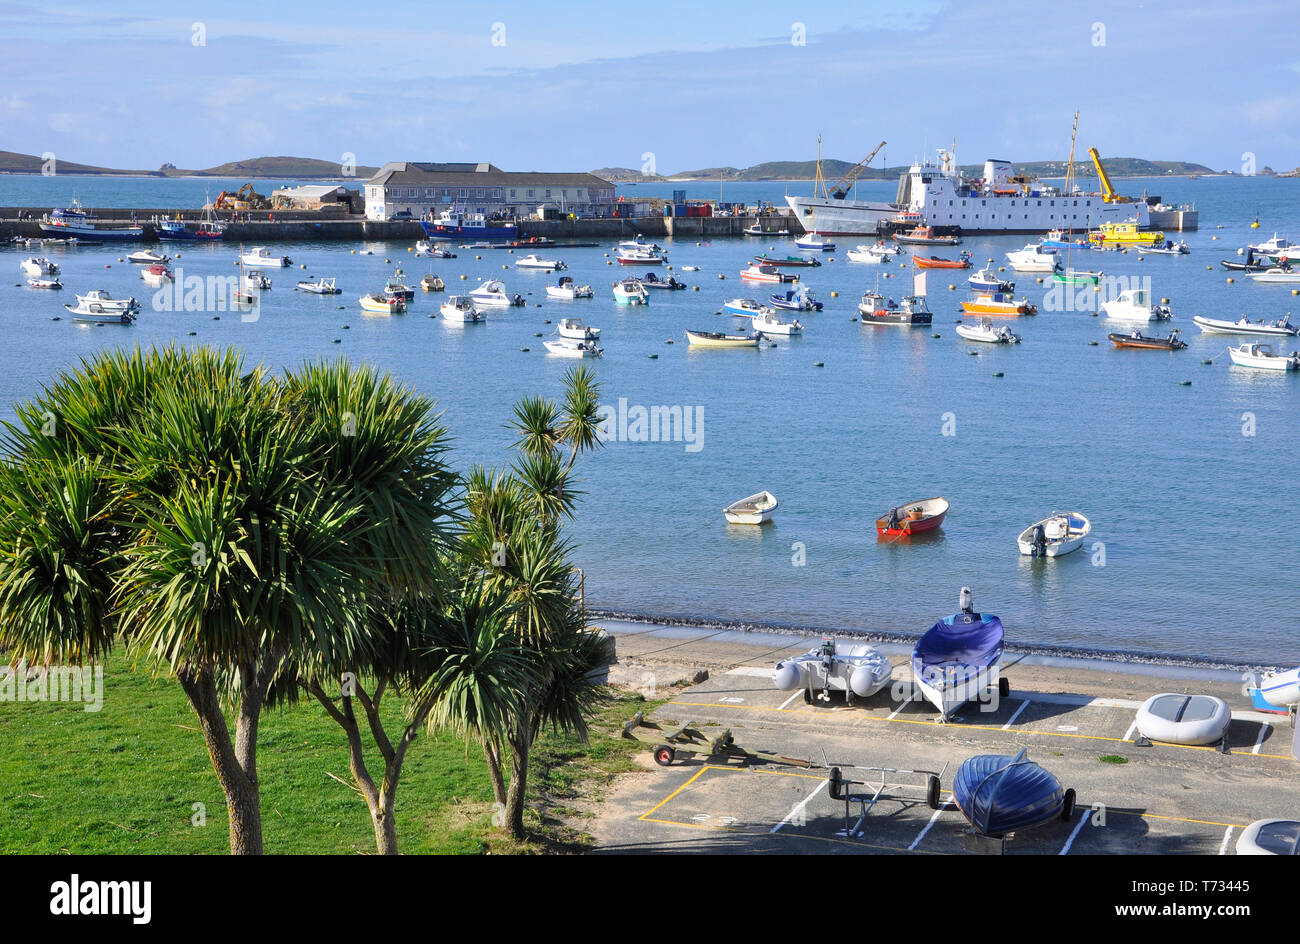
(220, 524)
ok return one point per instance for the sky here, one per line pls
(666, 85)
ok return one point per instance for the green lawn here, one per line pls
(125, 780)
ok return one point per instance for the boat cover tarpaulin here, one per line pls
(963, 640)
(1000, 794)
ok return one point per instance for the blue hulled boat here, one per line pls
(1000, 794)
(457, 224)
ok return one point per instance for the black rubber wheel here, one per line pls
(807, 697)
(1004, 688)
(664, 755)
(837, 784)
(932, 792)
(1067, 808)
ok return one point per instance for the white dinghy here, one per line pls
(854, 668)
(1270, 837)
(1282, 327)
(1058, 534)
(1184, 719)
(987, 333)
(755, 509)
(575, 330)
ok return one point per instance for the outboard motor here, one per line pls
(966, 601)
(1039, 541)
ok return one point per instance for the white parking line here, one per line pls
(1223, 849)
(1084, 816)
(751, 670)
(1012, 720)
(798, 807)
(1259, 741)
(1128, 735)
(917, 841)
(903, 705)
(790, 699)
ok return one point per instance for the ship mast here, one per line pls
(1069, 168)
(819, 180)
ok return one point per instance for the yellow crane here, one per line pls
(1108, 194)
(840, 189)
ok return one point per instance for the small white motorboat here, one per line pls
(1184, 719)
(157, 275)
(567, 290)
(575, 330)
(395, 286)
(1277, 274)
(878, 254)
(813, 242)
(459, 309)
(1167, 248)
(426, 248)
(1058, 534)
(531, 261)
(769, 321)
(378, 303)
(631, 292)
(639, 252)
(854, 668)
(103, 300)
(766, 273)
(1276, 246)
(1270, 837)
(755, 509)
(1261, 356)
(987, 333)
(1281, 689)
(987, 280)
(493, 294)
(258, 256)
(38, 265)
(320, 287)
(567, 347)
(746, 307)
(148, 257)
(95, 312)
(1034, 258)
(431, 283)
(255, 281)
(1134, 305)
(52, 283)
(1280, 328)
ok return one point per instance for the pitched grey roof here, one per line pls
(424, 174)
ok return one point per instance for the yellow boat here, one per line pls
(1124, 234)
(999, 304)
(717, 339)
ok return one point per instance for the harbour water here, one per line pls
(1189, 488)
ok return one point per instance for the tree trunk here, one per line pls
(520, 747)
(234, 763)
(492, 753)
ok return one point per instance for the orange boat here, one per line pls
(999, 304)
(914, 517)
(934, 262)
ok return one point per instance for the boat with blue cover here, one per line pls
(959, 659)
(1000, 794)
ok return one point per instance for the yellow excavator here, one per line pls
(245, 198)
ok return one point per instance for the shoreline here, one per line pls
(1110, 659)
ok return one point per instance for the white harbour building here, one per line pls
(423, 189)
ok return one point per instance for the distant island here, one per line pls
(295, 168)
(833, 170)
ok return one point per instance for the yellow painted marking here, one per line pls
(699, 773)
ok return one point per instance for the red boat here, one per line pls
(915, 517)
(934, 262)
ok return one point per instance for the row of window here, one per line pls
(1013, 203)
(480, 193)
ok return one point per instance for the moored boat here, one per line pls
(1059, 533)
(1262, 357)
(1281, 327)
(875, 308)
(493, 294)
(38, 265)
(914, 517)
(1124, 233)
(630, 292)
(575, 330)
(1136, 339)
(878, 254)
(147, 257)
(320, 287)
(926, 236)
(395, 286)
(379, 303)
(156, 276)
(1278, 274)
(1135, 305)
(934, 262)
(986, 333)
(74, 221)
(460, 309)
(769, 322)
(1076, 277)
(766, 274)
(987, 280)
(97, 312)
(799, 299)
(431, 283)
(46, 283)
(1060, 239)
(532, 261)
(567, 347)
(789, 262)
(998, 304)
(744, 306)
(719, 339)
(755, 509)
(670, 284)
(813, 242)
(1168, 248)
(566, 290)
(1033, 258)
(258, 256)
(99, 297)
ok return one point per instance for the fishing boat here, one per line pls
(876, 309)
(100, 298)
(207, 230)
(1168, 248)
(395, 286)
(1261, 356)
(1281, 327)
(38, 265)
(493, 294)
(1076, 277)
(719, 339)
(459, 309)
(148, 257)
(766, 274)
(639, 252)
(258, 256)
(813, 242)
(457, 223)
(744, 306)
(532, 261)
(986, 280)
(1134, 305)
(1059, 533)
(1060, 239)
(567, 290)
(934, 262)
(769, 322)
(1136, 339)
(925, 236)
(320, 287)
(630, 292)
(426, 248)
(50, 283)
(757, 230)
(1124, 233)
(878, 254)
(74, 221)
(857, 669)
(95, 312)
(431, 283)
(1033, 258)
(156, 276)
(567, 347)
(986, 333)
(789, 262)
(959, 659)
(998, 304)
(1277, 274)
(670, 284)
(379, 303)
(915, 517)
(755, 509)
(798, 299)
(1000, 794)
(575, 330)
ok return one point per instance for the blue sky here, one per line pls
(574, 86)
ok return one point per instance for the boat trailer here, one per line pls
(879, 788)
(688, 741)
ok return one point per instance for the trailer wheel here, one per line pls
(837, 784)
(1067, 808)
(1004, 687)
(664, 755)
(807, 696)
(932, 792)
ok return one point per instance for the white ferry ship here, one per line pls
(938, 196)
